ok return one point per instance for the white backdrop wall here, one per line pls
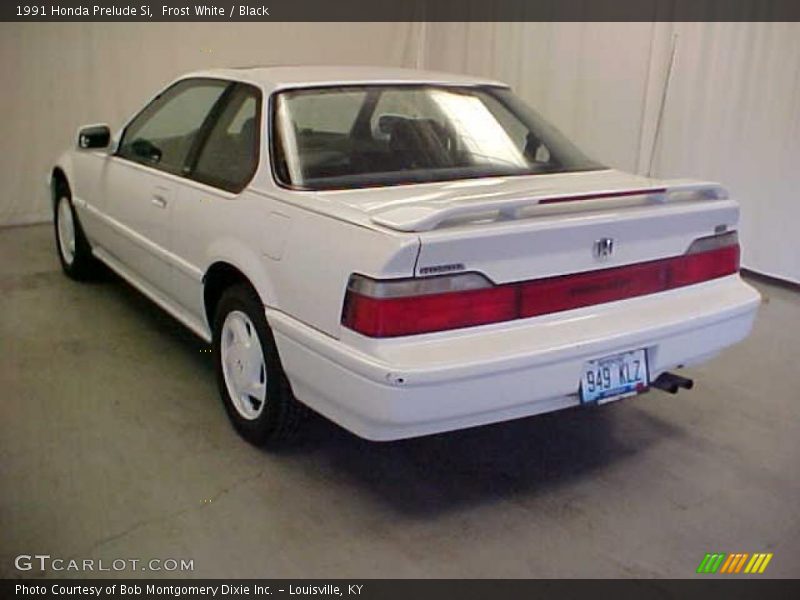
(58, 76)
(731, 111)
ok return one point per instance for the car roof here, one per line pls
(282, 77)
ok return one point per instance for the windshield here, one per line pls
(378, 135)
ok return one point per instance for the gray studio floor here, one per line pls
(114, 445)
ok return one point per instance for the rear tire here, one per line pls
(252, 384)
(74, 251)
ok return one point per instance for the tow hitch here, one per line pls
(669, 382)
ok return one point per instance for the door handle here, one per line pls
(159, 201)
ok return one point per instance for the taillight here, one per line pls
(391, 308)
(403, 307)
(707, 258)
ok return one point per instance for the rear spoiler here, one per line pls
(425, 216)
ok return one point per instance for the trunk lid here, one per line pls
(525, 228)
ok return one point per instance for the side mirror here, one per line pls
(94, 136)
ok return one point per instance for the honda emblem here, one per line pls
(603, 248)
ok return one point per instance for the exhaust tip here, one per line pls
(671, 383)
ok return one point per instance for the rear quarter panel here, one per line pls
(299, 261)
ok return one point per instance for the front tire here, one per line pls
(74, 251)
(251, 381)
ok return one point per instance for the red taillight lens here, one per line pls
(404, 307)
(703, 266)
(390, 317)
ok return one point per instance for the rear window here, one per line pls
(380, 135)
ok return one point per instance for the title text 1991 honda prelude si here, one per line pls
(404, 252)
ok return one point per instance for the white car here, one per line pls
(404, 252)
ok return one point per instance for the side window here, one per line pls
(162, 135)
(229, 156)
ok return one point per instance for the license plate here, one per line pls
(614, 377)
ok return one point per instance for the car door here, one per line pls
(140, 179)
(207, 198)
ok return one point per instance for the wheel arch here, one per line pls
(57, 176)
(236, 265)
(61, 171)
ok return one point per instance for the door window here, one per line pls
(163, 134)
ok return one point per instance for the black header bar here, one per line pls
(400, 10)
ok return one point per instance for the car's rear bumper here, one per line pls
(406, 387)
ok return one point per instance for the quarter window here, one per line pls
(163, 134)
(229, 156)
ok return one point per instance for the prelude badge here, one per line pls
(603, 248)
